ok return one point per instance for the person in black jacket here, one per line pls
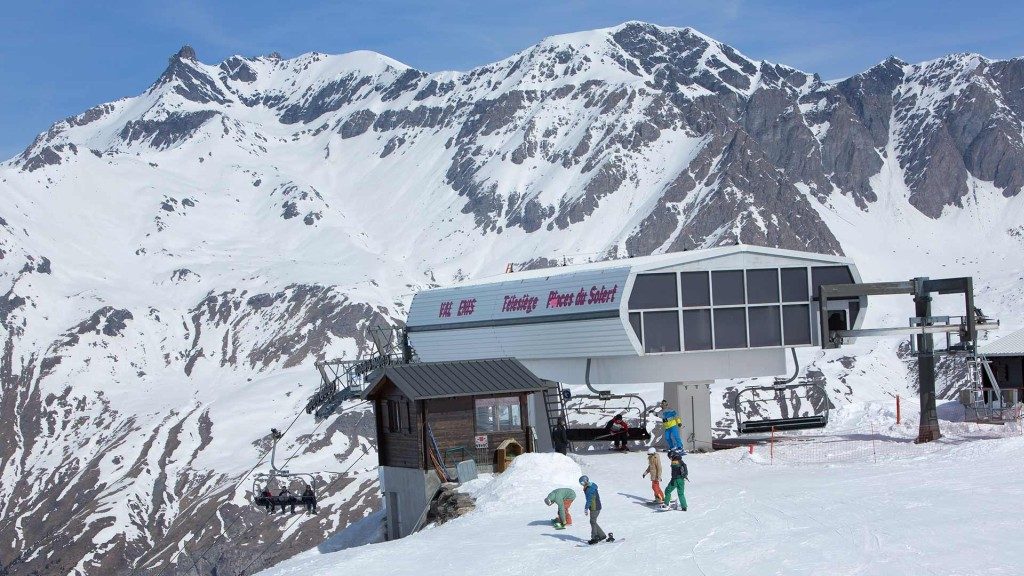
(679, 476)
(560, 436)
(309, 499)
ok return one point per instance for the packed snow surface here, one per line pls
(939, 510)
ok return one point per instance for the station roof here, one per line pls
(426, 380)
(653, 262)
(1010, 345)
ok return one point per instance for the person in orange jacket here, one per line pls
(654, 469)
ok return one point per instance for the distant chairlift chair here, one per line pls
(785, 393)
(294, 481)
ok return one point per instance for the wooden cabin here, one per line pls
(1006, 360)
(465, 408)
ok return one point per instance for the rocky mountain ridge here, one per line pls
(172, 263)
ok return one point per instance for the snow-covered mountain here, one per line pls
(171, 264)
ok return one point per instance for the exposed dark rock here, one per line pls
(238, 69)
(162, 134)
(188, 81)
(359, 122)
(404, 83)
(393, 144)
(328, 98)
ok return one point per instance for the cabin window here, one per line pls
(408, 417)
(730, 328)
(498, 414)
(695, 289)
(765, 326)
(654, 291)
(727, 287)
(762, 286)
(661, 331)
(794, 285)
(796, 323)
(697, 329)
(828, 275)
(394, 416)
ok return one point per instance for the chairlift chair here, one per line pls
(294, 481)
(783, 393)
(780, 388)
(597, 434)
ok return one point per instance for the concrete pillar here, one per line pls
(538, 420)
(692, 400)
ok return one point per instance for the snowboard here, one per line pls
(616, 541)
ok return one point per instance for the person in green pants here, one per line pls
(679, 475)
(562, 497)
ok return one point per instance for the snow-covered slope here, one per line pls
(744, 517)
(172, 263)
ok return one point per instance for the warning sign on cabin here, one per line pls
(481, 440)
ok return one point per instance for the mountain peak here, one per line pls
(186, 53)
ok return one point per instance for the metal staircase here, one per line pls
(554, 404)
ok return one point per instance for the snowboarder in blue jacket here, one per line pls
(593, 509)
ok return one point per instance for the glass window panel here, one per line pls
(727, 286)
(697, 329)
(661, 331)
(634, 321)
(765, 326)
(762, 286)
(653, 291)
(486, 417)
(508, 417)
(730, 328)
(796, 322)
(794, 285)
(829, 275)
(695, 289)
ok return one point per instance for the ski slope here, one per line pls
(945, 508)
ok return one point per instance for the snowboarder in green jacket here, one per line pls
(561, 497)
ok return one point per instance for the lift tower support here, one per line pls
(922, 327)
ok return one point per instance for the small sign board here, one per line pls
(480, 440)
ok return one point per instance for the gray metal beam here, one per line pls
(833, 291)
(911, 330)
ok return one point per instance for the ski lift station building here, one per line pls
(684, 319)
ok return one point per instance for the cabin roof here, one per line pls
(426, 380)
(1010, 345)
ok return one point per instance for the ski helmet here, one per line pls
(652, 450)
(584, 480)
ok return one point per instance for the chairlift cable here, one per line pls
(217, 508)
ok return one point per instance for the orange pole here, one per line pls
(897, 409)
(750, 448)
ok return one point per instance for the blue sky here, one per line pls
(60, 58)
